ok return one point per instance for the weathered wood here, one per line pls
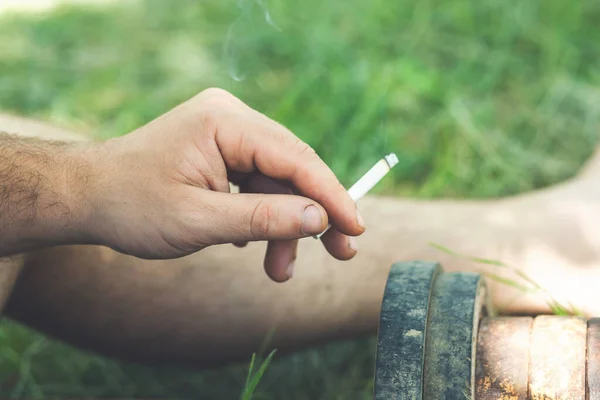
(502, 367)
(429, 346)
(402, 331)
(457, 302)
(593, 359)
(557, 358)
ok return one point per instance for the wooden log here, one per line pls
(502, 366)
(593, 359)
(402, 331)
(457, 303)
(557, 358)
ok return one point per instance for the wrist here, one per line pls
(78, 166)
(95, 193)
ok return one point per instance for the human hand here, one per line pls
(163, 190)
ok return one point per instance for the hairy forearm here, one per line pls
(41, 193)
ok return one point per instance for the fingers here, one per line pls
(280, 259)
(281, 255)
(250, 141)
(339, 245)
(238, 218)
(258, 183)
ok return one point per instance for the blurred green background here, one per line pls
(478, 99)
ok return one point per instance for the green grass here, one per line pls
(478, 99)
(254, 377)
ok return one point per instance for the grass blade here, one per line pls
(250, 370)
(488, 261)
(509, 282)
(444, 249)
(253, 381)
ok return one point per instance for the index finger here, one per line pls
(250, 141)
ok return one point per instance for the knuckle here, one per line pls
(217, 97)
(305, 150)
(208, 120)
(211, 101)
(215, 92)
(264, 219)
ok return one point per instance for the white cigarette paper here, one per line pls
(368, 181)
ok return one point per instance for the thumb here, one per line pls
(240, 217)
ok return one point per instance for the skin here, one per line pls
(91, 193)
(217, 305)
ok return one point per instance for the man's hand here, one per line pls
(163, 190)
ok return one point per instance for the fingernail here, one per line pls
(289, 271)
(352, 244)
(311, 221)
(359, 219)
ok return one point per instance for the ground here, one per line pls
(478, 99)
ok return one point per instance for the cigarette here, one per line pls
(368, 181)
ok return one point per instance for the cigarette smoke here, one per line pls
(240, 32)
(266, 13)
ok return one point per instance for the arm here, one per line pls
(41, 193)
(162, 191)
